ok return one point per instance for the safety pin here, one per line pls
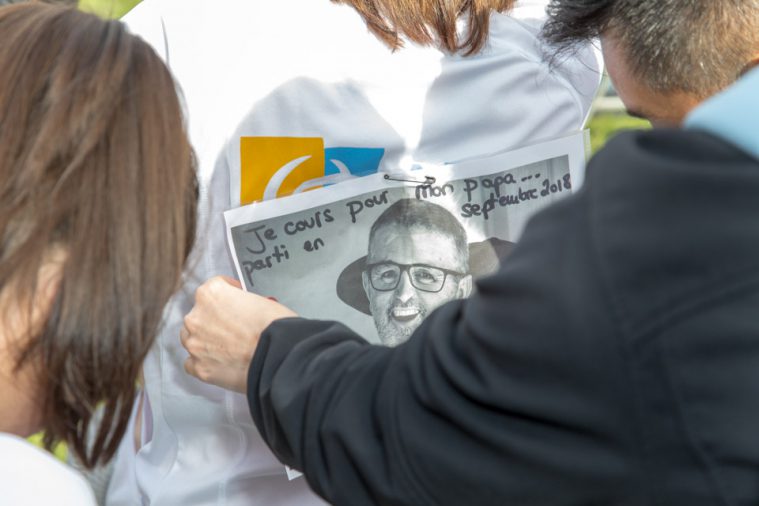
(428, 180)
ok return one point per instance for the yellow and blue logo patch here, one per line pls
(272, 167)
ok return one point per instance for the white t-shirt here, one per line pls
(282, 92)
(32, 477)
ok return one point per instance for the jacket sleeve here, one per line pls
(551, 383)
(494, 399)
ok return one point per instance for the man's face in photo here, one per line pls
(410, 272)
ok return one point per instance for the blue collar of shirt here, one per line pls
(732, 115)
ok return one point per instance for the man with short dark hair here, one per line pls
(418, 260)
(663, 56)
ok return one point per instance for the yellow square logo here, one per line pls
(273, 167)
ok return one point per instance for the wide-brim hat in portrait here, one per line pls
(485, 258)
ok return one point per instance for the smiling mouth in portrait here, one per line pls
(405, 314)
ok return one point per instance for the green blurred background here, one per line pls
(108, 8)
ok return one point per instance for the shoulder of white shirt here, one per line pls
(29, 475)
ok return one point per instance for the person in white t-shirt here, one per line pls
(286, 95)
(98, 197)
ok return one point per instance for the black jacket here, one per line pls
(614, 359)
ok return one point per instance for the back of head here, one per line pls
(430, 22)
(95, 162)
(692, 46)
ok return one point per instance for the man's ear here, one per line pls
(465, 287)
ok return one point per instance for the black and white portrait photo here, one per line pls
(418, 259)
(380, 255)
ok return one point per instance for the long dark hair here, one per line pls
(94, 160)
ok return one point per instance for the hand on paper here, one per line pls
(222, 331)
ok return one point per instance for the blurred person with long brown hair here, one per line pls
(285, 95)
(97, 217)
